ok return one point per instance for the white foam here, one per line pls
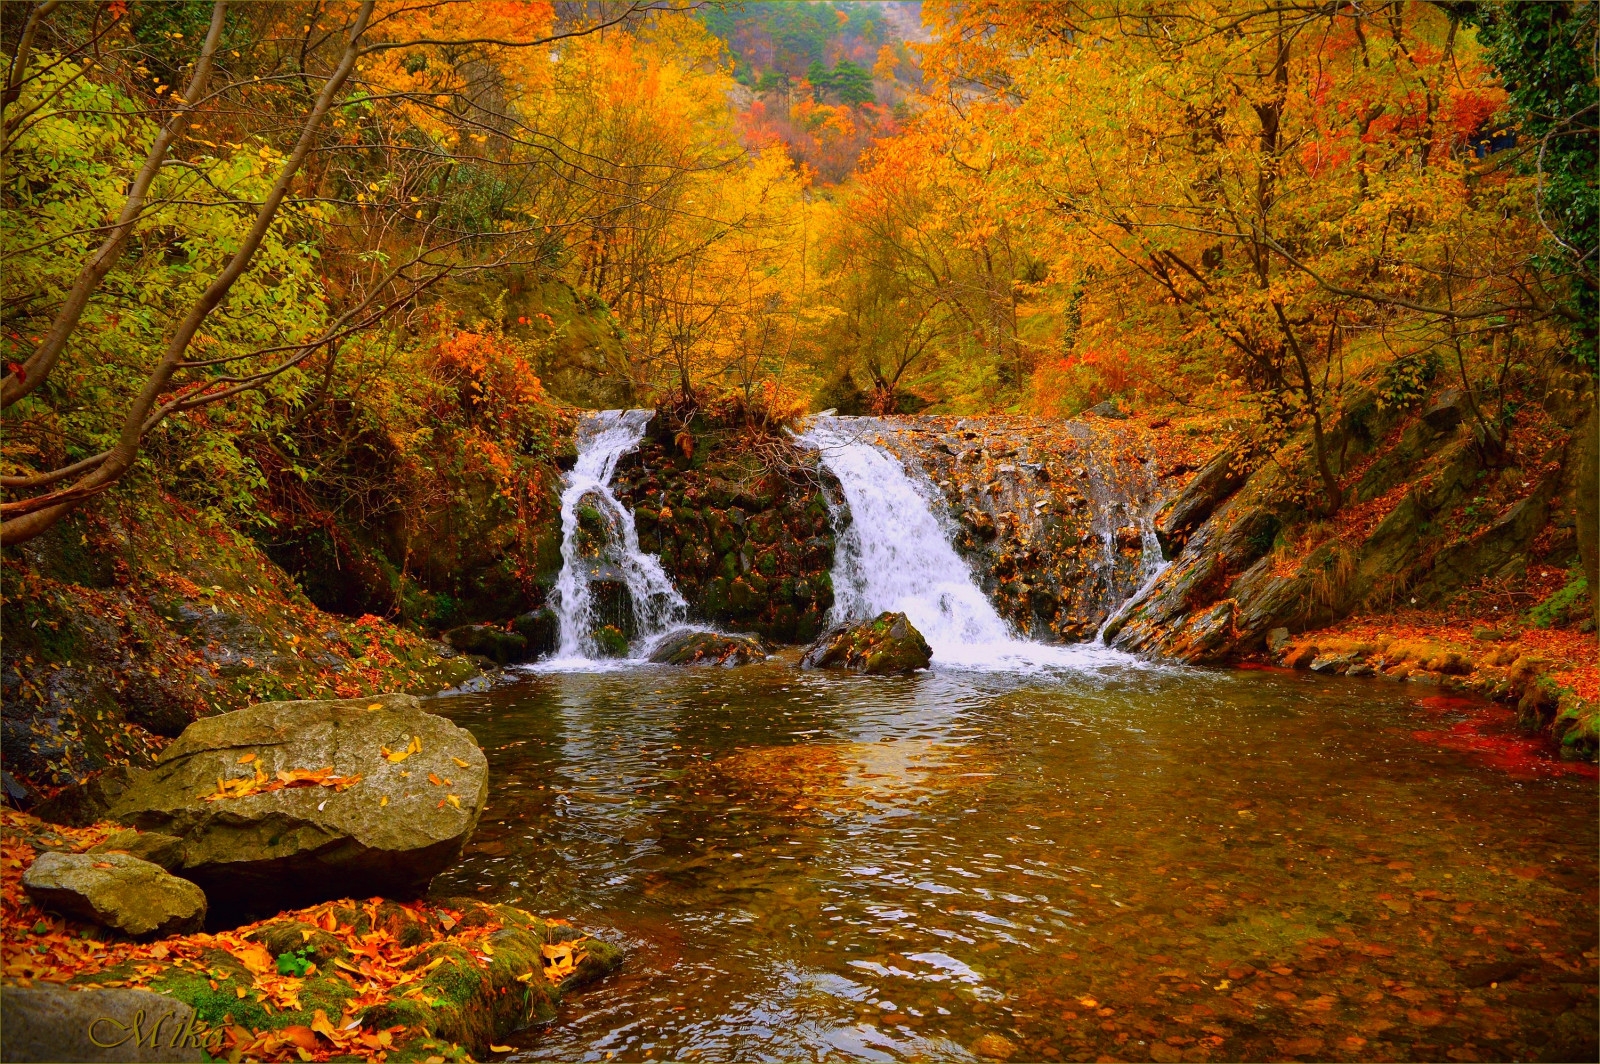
(895, 556)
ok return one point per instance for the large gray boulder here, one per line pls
(116, 890)
(377, 823)
(54, 1023)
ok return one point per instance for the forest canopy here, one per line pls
(243, 239)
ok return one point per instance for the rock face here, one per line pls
(885, 646)
(80, 804)
(689, 647)
(264, 847)
(116, 890)
(1050, 514)
(750, 548)
(487, 641)
(51, 1023)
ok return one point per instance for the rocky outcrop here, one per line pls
(690, 647)
(1427, 512)
(888, 645)
(1216, 480)
(1051, 515)
(116, 890)
(293, 802)
(55, 1023)
(747, 541)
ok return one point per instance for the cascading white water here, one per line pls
(603, 439)
(894, 555)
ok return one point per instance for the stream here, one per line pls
(1137, 862)
(1030, 851)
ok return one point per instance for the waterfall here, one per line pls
(603, 439)
(895, 555)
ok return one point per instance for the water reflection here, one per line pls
(1143, 864)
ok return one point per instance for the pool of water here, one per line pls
(1110, 862)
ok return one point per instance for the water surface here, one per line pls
(1120, 862)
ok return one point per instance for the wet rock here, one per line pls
(1332, 663)
(82, 804)
(886, 645)
(388, 833)
(541, 628)
(116, 890)
(53, 1023)
(689, 647)
(487, 641)
(1278, 640)
(152, 846)
(978, 523)
(1217, 479)
(16, 792)
(611, 641)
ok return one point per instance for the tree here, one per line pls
(328, 84)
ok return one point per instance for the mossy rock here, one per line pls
(886, 645)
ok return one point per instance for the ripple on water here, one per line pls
(1136, 863)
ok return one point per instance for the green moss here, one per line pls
(1571, 601)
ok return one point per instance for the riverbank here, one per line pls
(346, 979)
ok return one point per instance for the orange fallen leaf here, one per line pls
(246, 759)
(375, 705)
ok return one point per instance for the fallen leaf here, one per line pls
(383, 801)
(460, 762)
(499, 1049)
(246, 759)
(453, 800)
(375, 705)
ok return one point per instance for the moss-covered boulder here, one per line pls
(887, 645)
(690, 647)
(541, 628)
(488, 641)
(289, 803)
(116, 890)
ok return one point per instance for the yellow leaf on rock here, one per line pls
(499, 1049)
(460, 762)
(453, 800)
(246, 759)
(383, 801)
(375, 705)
